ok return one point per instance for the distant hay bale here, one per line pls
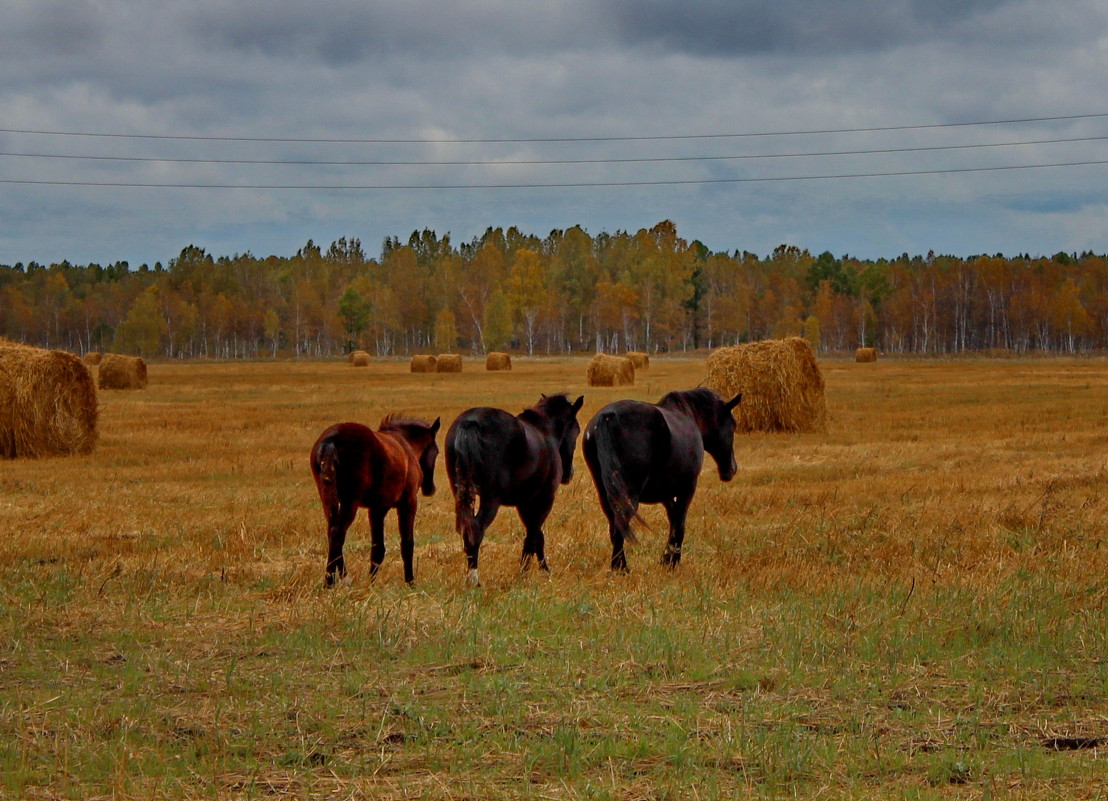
(781, 384)
(423, 364)
(498, 361)
(610, 371)
(448, 363)
(122, 372)
(640, 360)
(359, 358)
(47, 403)
(92, 358)
(865, 355)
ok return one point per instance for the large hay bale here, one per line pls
(423, 364)
(610, 371)
(640, 360)
(498, 361)
(122, 372)
(781, 384)
(865, 355)
(47, 403)
(448, 363)
(359, 358)
(92, 358)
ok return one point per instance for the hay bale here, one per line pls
(122, 372)
(781, 384)
(610, 371)
(640, 360)
(47, 403)
(498, 361)
(359, 358)
(423, 364)
(92, 358)
(448, 363)
(865, 355)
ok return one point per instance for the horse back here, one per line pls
(369, 467)
(497, 453)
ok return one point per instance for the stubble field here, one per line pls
(910, 606)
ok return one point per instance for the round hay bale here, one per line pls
(640, 360)
(781, 384)
(47, 403)
(865, 355)
(359, 358)
(448, 363)
(122, 372)
(423, 364)
(610, 371)
(92, 358)
(498, 361)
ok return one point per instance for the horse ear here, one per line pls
(731, 404)
(435, 426)
(577, 404)
(542, 396)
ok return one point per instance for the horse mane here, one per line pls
(394, 421)
(700, 399)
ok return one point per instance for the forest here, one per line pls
(567, 292)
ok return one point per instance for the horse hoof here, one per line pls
(472, 579)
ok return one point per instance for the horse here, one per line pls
(641, 452)
(510, 460)
(355, 467)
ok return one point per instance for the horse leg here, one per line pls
(338, 521)
(406, 512)
(615, 533)
(534, 541)
(377, 532)
(677, 508)
(481, 521)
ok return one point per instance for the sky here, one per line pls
(133, 128)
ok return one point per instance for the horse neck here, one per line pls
(683, 403)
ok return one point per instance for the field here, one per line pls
(910, 606)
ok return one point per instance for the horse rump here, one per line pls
(464, 454)
(611, 481)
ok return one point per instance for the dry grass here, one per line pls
(448, 363)
(610, 371)
(48, 404)
(117, 371)
(781, 384)
(423, 364)
(498, 361)
(910, 605)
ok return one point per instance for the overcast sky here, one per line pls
(627, 76)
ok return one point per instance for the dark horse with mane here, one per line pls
(510, 460)
(355, 467)
(652, 453)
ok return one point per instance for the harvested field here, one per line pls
(911, 605)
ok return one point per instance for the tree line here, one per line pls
(567, 292)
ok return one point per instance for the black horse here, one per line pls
(652, 453)
(508, 460)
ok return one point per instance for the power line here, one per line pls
(539, 162)
(599, 184)
(180, 137)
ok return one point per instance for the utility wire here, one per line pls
(386, 187)
(538, 162)
(550, 139)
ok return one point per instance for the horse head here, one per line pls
(421, 437)
(718, 432)
(562, 415)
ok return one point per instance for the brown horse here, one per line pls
(355, 467)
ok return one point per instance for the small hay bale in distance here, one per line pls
(359, 358)
(92, 358)
(122, 372)
(639, 359)
(448, 363)
(423, 364)
(48, 403)
(498, 361)
(781, 383)
(610, 371)
(865, 355)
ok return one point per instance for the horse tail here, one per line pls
(611, 478)
(327, 462)
(466, 455)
